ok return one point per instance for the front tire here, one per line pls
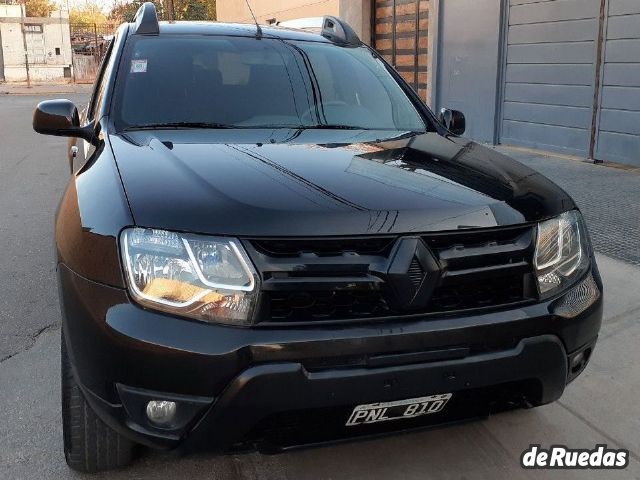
(90, 445)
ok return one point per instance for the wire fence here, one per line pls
(89, 42)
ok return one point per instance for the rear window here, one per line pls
(245, 82)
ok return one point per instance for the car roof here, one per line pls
(237, 30)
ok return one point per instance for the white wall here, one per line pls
(45, 64)
(281, 10)
(10, 10)
(357, 13)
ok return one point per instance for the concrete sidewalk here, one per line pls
(600, 407)
(43, 88)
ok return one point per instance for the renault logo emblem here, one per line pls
(413, 273)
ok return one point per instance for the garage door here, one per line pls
(618, 136)
(550, 74)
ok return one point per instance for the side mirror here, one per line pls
(60, 118)
(453, 120)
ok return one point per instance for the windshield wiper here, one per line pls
(179, 125)
(211, 125)
(329, 126)
(400, 136)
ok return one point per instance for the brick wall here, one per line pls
(401, 35)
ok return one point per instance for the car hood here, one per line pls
(325, 183)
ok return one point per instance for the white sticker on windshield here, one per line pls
(138, 66)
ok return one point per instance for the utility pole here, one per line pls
(170, 11)
(24, 43)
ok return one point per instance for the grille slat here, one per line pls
(480, 269)
(477, 274)
(346, 304)
(324, 247)
(416, 273)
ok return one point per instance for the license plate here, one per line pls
(398, 410)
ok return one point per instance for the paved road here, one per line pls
(33, 174)
(601, 407)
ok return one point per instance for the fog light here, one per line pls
(576, 362)
(161, 412)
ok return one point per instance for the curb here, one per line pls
(43, 89)
(573, 158)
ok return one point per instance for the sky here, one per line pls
(105, 4)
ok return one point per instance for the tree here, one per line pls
(38, 8)
(89, 12)
(195, 9)
(211, 10)
(123, 10)
(191, 10)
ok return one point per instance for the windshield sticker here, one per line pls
(138, 66)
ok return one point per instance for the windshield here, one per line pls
(234, 82)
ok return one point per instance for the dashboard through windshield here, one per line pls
(237, 82)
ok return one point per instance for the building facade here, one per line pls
(356, 12)
(557, 75)
(272, 11)
(47, 42)
(399, 29)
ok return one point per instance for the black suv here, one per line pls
(269, 241)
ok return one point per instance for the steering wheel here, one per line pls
(331, 103)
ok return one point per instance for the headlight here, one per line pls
(206, 278)
(562, 254)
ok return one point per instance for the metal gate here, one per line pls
(401, 35)
(89, 45)
(618, 122)
(549, 77)
(572, 77)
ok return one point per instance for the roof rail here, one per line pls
(146, 20)
(339, 31)
(331, 28)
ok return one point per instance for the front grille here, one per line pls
(311, 280)
(327, 305)
(307, 306)
(492, 292)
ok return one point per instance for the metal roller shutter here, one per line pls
(618, 137)
(549, 76)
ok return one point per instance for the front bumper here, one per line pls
(267, 391)
(236, 381)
